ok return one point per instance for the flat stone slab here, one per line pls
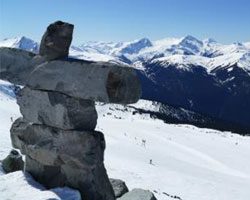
(96, 81)
(57, 110)
(17, 64)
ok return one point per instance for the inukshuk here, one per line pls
(57, 132)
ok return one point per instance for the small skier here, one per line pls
(11, 119)
(150, 162)
(143, 143)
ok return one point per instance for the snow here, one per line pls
(18, 185)
(183, 61)
(241, 59)
(189, 162)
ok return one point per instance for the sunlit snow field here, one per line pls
(187, 162)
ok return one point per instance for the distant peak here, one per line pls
(145, 41)
(209, 41)
(189, 37)
(238, 43)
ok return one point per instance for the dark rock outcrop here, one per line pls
(13, 162)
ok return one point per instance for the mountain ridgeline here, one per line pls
(205, 77)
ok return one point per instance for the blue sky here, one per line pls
(120, 20)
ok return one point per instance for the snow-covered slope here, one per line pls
(188, 162)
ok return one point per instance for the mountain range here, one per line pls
(201, 76)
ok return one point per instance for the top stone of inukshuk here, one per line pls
(57, 132)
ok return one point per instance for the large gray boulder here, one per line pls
(13, 162)
(56, 40)
(119, 187)
(16, 64)
(74, 157)
(138, 194)
(53, 146)
(57, 110)
(99, 81)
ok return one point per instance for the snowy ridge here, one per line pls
(182, 51)
(21, 43)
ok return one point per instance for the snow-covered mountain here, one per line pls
(211, 53)
(21, 43)
(203, 76)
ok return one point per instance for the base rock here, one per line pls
(75, 158)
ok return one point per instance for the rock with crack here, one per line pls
(57, 110)
(53, 146)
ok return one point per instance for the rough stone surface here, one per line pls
(53, 146)
(93, 183)
(57, 110)
(103, 82)
(56, 40)
(138, 194)
(13, 162)
(49, 176)
(119, 187)
(16, 64)
(74, 157)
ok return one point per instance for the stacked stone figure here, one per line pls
(57, 131)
